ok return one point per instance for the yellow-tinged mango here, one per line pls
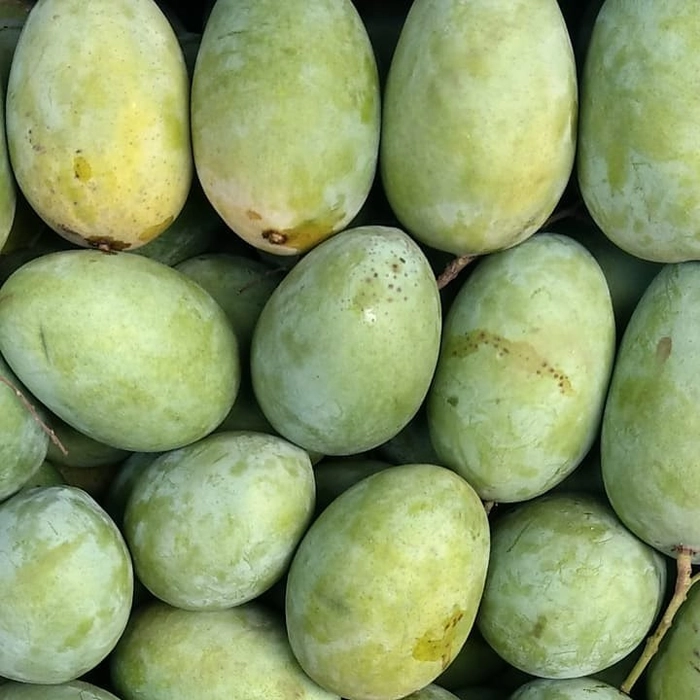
(285, 118)
(98, 120)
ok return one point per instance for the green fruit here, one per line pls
(242, 652)
(568, 689)
(74, 690)
(23, 440)
(479, 121)
(126, 350)
(67, 585)
(431, 692)
(45, 475)
(225, 536)
(673, 672)
(345, 348)
(98, 120)
(527, 352)
(384, 587)
(651, 429)
(638, 163)
(570, 591)
(285, 118)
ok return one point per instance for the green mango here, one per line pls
(345, 348)
(384, 587)
(66, 581)
(638, 162)
(568, 689)
(650, 434)
(98, 120)
(126, 350)
(285, 118)
(527, 352)
(72, 690)
(570, 590)
(479, 121)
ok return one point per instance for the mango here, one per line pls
(567, 689)
(384, 586)
(479, 121)
(570, 590)
(650, 433)
(126, 350)
(242, 652)
(98, 120)
(638, 164)
(526, 357)
(73, 690)
(345, 347)
(67, 584)
(285, 119)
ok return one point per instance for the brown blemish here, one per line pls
(107, 244)
(81, 168)
(253, 215)
(663, 348)
(437, 644)
(275, 237)
(524, 354)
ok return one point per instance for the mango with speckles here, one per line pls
(97, 117)
(124, 349)
(638, 165)
(526, 357)
(479, 121)
(285, 119)
(650, 430)
(346, 345)
(384, 587)
(570, 590)
(66, 581)
(567, 689)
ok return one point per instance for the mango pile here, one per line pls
(349, 350)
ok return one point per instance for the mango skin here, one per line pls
(242, 652)
(649, 435)
(100, 145)
(567, 689)
(479, 121)
(638, 165)
(72, 690)
(285, 119)
(345, 348)
(527, 352)
(123, 348)
(384, 587)
(570, 591)
(67, 585)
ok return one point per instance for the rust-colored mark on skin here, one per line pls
(437, 644)
(275, 237)
(663, 349)
(81, 168)
(107, 244)
(253, 215)
(523, 354)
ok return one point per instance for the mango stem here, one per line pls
(454, 267)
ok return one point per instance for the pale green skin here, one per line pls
(638, 163)
(384, 587)
(242, 652)
(651, 428)
(673, 672)
(526, 357)
(73, 690)
(346, 346)
(98, 120)
(570, 591)
(127, 350)
(431, 692)
(285, 118)
(67, 585)
(45, 475)
(569, 689)
(216, 523)
(479, 121)
(23, 441)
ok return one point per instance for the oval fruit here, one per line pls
(73, 690)
(384, 587)
(123, 348)
(568, 689)
(651, 429)
(527, 351)
(570, 591)
(67, 585)
(98, 120)
(285, 118)
(463, 168)
(345, 348)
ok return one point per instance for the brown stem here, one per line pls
(34, 413)
(684, 580)
(453, 269)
